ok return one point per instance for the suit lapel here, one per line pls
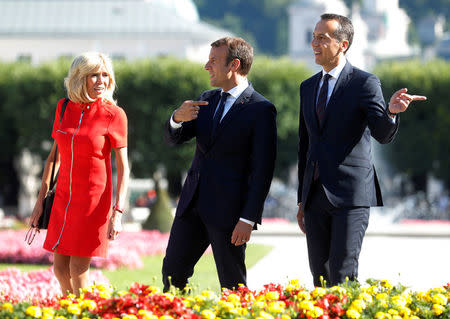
(312, 99)
(240, 103)
(339, 87)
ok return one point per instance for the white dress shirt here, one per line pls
(234, 95)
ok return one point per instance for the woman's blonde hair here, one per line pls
(82, 66)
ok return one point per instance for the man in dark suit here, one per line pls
(223, 196)
(341, 107)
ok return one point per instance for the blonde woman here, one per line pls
(83, 216)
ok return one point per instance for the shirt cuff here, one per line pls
(393, 119)
(174, 124)
(247, 221)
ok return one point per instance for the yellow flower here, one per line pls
(105, 294)
(65, 302)
(122, 293)
(285, 317)
(265, 315)
(89, 304)
(234, 299)
(168, 296)
(380, 315)
(340, 290)
(373, 290)
(7, 306)
(304, 295)
(147, 315)
(381, 296)
(358, 304)
(272, 296)
(166, 317)
(196, 308)
(47, 316)
(276, 307)
(405, 312)
(87, 289)
(60, 317)
(294, 284)
(393, 312)
(34, 312)
(242, 311)
(102, 287)
(208, 314)
(318, 292)
(315, 313)
(366, 297)
(208, 294)
(353, 314)
(306, 305)
(129, 317)
(440, 299)
(227, 306)
(438, 309)
(259, 305)
(414, 317)
(48, 310)
(399, 301)
(74, 309)
(386, 284)
(200, 299)
(249, 298)
(153, 290)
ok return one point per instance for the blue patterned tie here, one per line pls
(219, 112)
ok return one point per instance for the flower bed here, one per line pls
(378, 300)
(35, 285)
(126, 251)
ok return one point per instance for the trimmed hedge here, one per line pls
(150, 90)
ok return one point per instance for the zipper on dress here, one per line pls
(70, 183)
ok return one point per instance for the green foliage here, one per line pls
(263, 23)
(423, 141)
(160, 217)
(279, 81)
(418, 9)
(149, 91)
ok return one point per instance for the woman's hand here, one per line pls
(37, 212)
(115, 225)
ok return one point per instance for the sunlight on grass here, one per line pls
(205, 274)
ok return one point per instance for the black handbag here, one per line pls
(48, 200)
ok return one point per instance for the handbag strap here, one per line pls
(52, 178)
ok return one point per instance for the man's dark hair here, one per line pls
(344, 30)
(239, 49)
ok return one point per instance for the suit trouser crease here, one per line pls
(189, 238)
(334, 237)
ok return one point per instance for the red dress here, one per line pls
(83, 197)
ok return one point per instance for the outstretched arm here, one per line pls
(400, 101)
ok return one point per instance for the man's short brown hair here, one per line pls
(239, 49)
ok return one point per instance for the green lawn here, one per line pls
(205, 275)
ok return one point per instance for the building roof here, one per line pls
(103, 17)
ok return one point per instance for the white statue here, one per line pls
(28, 167)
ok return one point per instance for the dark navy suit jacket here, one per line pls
(342, 145)
(233, 171)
